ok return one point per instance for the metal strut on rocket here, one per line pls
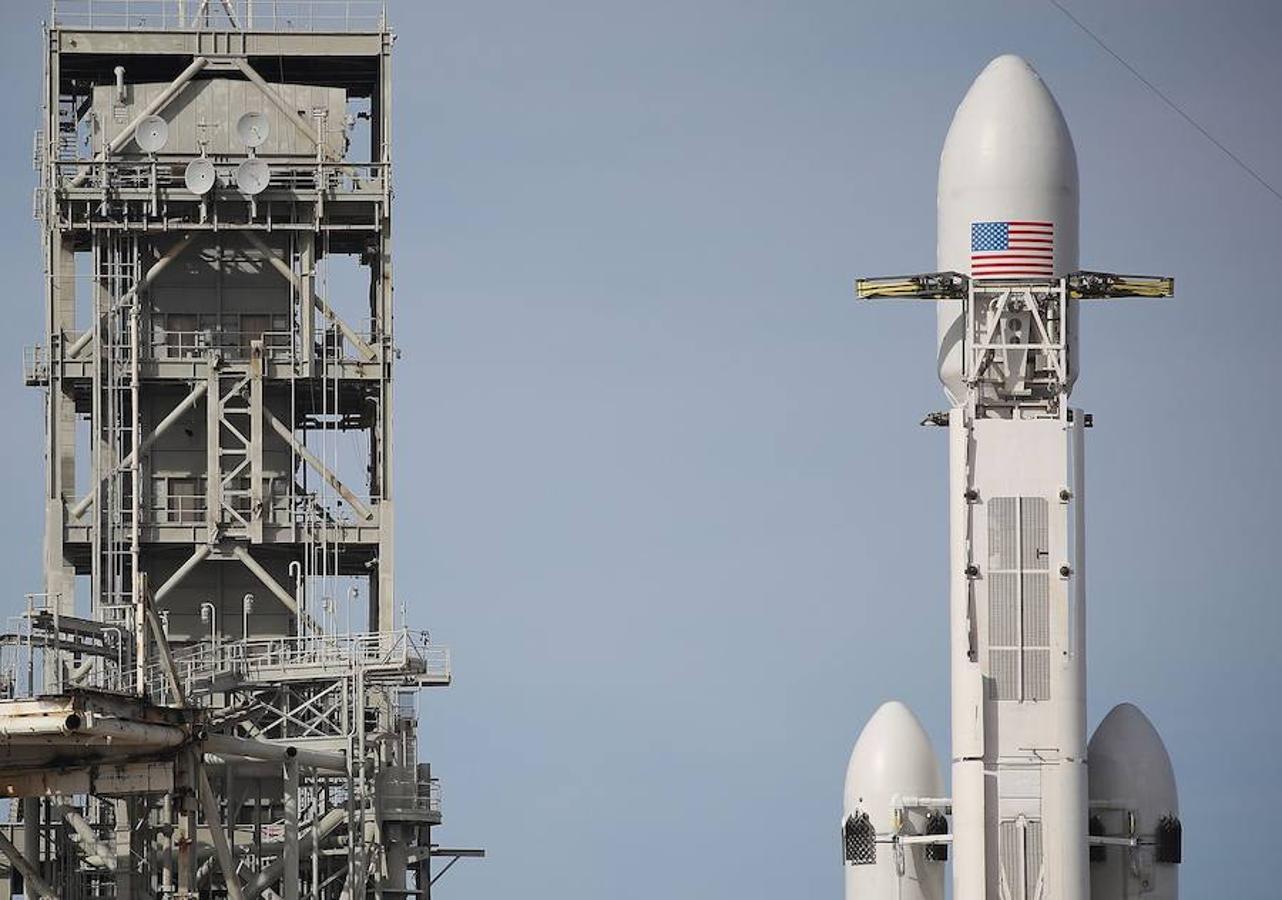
(1035, 815)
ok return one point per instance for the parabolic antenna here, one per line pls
(151, 134)
(252, 176)
(253, 128)
(200, 176)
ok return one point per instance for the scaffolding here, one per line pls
(214, 694)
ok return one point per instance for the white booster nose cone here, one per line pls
(892, 759)
(1007, 200)
(1131, 780)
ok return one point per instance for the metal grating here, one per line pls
(1037, 674)
(1003, 609)
(1019, 847)
(1034, 533)
(859, 840)
(1004, 663)
(1019, 598)
(1003, 547)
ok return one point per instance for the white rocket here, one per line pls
(1036, 813)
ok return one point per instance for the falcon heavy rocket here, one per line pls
(1034, 812)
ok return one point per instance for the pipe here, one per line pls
(92, 847)
(272, 872)
(54, 724)
(266, 578)
(152, 108)
(230, 745)
(142, 733)
(120, 84)
(90, 726)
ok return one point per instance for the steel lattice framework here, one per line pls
(214, 692)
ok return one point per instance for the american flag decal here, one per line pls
(1012, 249)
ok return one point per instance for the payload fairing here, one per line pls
(1035, 813)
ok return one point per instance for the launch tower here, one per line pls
(215, 692)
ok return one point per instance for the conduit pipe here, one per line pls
(229, 745)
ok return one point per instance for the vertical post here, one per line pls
(124, 847)
(213, 462)
(187, 850)
(306, 305)
(256, 505)
(140, 633)
(289, 853)
(30, 848)
(382, 595)
(168, 846)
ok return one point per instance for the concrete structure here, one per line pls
(214, 692)
(1025, 825)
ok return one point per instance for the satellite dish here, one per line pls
(252, 176)
(151, 134)
(200, 176)
(253, 128)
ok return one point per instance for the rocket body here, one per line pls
(1008, 208)
(1037, 813)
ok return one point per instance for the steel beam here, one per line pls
(35, 885)
(198, 555)
(99, 780)
(277, 101)
(209, 804)
(308, 291)
(161, 427)
(321, 469)
(271, 873)
(284, 596)
(290, 851)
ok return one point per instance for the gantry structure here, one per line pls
(215, 692)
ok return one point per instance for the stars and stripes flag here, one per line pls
(1012, 249)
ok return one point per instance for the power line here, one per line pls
(1167, 100)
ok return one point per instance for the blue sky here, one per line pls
(661, 484)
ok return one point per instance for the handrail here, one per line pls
(348, 16)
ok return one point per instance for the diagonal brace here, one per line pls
(277, 100)
(164, 425)
(312, 460)
(326, 310)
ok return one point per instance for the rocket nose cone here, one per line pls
(1007, 194)
(1011, 61)
(892, 755)
(1126, 757)
(1009, 136)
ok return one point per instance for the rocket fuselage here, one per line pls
(1008, 208)
(1034, 815)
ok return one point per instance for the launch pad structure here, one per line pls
(214, 694)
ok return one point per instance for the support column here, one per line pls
(305, 291)
(289, 854)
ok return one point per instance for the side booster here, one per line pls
(1031, 819)
(893, 786)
